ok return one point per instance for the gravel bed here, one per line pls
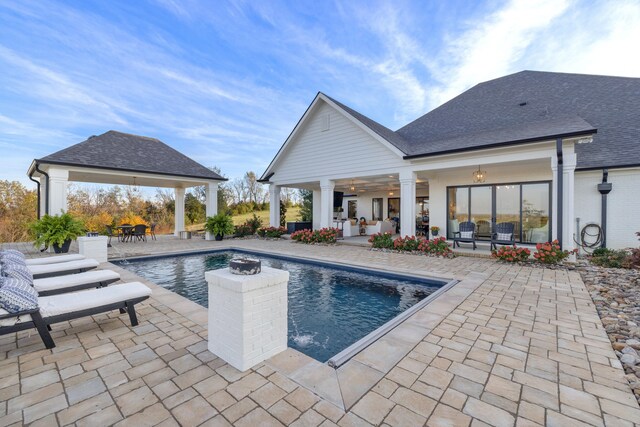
(616, 294)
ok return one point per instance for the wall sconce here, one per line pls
(479, 175)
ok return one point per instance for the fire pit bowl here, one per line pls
(245, 266)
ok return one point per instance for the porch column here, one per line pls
(179, 211)
(317, 194)
(407, 203)
(211, 197)
(42, 208)
(58, 180)
(326, 203)
(554, 198)
(568, 220)
(274, 205)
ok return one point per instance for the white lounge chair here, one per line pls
(75, 282)
(53, 259)
(62, 268)
(60, 308)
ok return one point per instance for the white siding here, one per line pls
(623, 205)
(343, 149)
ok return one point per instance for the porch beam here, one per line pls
(274, 205)
(407, 203)
(326, 203)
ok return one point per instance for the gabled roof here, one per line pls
(126, 152)
(382, 134)
(525, 107)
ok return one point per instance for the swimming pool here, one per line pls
(330, 307)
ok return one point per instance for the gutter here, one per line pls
(30, 175)
(46, 190)
(604, 188)
(54, 162)
(503, 144)
(266, 178)
(560, 186)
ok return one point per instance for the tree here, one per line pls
(306, 210)
(193, 208)
(283, 214)
(18, 207)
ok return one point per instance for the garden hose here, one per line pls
(591, 237)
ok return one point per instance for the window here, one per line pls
(376, 209)
(352, 209)
(393, 208)
(526, 205)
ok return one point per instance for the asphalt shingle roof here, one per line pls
(123, 151)
(526, 106)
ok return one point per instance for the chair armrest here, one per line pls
(456, 232)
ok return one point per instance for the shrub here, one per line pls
(408, 243)
(244, 230)
(381, 241)
(611, 258)
(272, 232)
(511, 254)
(550, 253)
(437, 246)
(324, 235)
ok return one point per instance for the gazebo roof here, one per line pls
(125, 152)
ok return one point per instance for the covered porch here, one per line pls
(520, 185)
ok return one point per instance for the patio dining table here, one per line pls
(127, 232)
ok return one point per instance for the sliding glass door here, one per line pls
(526, 205)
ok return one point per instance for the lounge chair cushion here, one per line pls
(505, 237)
(54, 259)
(71, 280)
(466, 234)
(11, 255)
(17, 270)
(17, 295)
(63, 266)
(66, 303)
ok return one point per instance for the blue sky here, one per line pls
(225, 82)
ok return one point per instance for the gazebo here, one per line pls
(123, 159)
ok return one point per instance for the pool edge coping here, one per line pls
(301, 375)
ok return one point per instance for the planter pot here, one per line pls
(434, 233)
(219, 237)
(62, 249)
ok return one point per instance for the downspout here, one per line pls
(46, 190)
(604, 188)
(559, 189)
(38, 187)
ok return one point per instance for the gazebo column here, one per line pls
(211, 196)
(274, 205)
(407, 203)
(326, 203)
(58, 180)
(179, 211)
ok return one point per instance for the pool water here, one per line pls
(329, 308)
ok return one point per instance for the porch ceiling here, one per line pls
(379, 183)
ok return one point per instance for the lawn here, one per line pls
(293, 214)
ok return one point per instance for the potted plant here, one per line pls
(56, 230)
(435, 230)
(219, 225)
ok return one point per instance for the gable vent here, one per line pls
(326, 122)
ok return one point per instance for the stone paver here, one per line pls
(511, 345)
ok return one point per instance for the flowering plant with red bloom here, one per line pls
(438, 246)
(381, 241)
(324, 235)
(550, 253)
(272, 232)
(408, 243)
(511, 254)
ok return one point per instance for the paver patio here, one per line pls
(509, 345)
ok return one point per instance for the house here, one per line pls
(548, 152)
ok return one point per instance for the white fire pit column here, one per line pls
(247, 312)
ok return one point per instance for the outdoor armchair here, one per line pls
(503, 234)
(466, 234)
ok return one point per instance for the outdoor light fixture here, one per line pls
(353, 187)
(391, 193)
(479, 175)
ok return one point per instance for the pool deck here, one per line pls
(507, 346)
